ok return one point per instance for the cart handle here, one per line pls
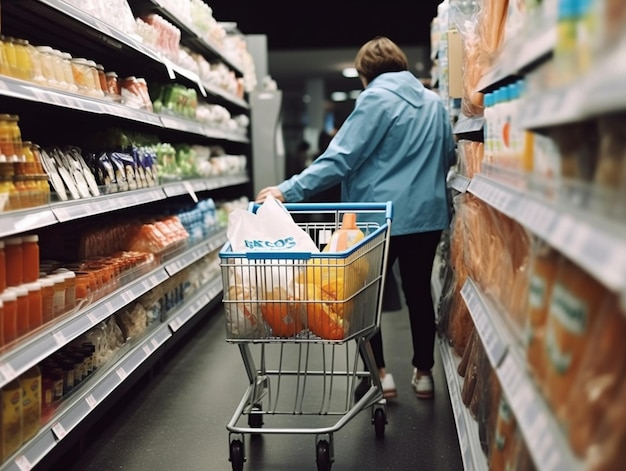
(341, 207)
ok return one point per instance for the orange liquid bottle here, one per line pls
(3, 268)
(30, 256)
(14, 261)
(9, 317)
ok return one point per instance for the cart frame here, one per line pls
(295, 355)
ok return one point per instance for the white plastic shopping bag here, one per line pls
(273, 281)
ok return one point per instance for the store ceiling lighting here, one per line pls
(339, 96)
(349, 72)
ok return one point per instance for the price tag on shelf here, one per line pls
(7, 372)
(22, 463)
(59, 338)
(154, 342)
(59, 431)
(190, 190)
(92, 318)
(126, 296)
(121, 373)
(146, 349)
(91, 401)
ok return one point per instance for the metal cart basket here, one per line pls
(302, 322)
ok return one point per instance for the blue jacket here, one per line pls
(396, 145)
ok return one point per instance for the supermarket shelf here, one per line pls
(24, 220)
(521, 53)
(535, 420)
(459, 183)
(22, 90)
(215, 90)
(13, 222)
(195, 253)
(77, 209)
(202, 298)
(32, 350)
(495, 339)
(597, 93)
(469, 125)
(76, 409)
(466, 427)
(502, 197)
(188, 34)
(595, 243)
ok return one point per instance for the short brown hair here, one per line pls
(379, 55)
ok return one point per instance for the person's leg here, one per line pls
(416, 253)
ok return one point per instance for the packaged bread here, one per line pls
(501, 453)
(471, 370)
(241, 306)
(491, 25)
(466, 358)
(598, 382)
(607, 451)
(543, 272)
(572, 314)
(461, 324)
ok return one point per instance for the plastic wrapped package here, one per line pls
(519, 247)
(471, 154)
(503, 447)
(460, 325)
(471, 372)
(543, 271)
(463, 365)
(474, 62)
(132, 321)
(572, 316)
(598, 382)
(488, 411)
(484, 373)
(491, 25)
(607, 451)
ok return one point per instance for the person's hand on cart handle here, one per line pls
(270, 190)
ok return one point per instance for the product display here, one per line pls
(545, 195)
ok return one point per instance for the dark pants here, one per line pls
(415, 254)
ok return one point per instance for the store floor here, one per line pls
(177, 420)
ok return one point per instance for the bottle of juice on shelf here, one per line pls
(14, 261)
(9, 317)
(31, 402)
(23, 60)
(346, 236)
(21, 314)
(30, 257)
(35, 305)
(11, 430)
(47, 299)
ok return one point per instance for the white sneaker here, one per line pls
(389, 387)
(423, 384)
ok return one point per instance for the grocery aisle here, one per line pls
(178, 420)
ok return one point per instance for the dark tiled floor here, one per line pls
(177, 420)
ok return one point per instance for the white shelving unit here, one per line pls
(596, 243)
(59, 21)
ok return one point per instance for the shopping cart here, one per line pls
(306, 320)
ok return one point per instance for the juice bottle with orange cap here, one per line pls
(30, 257)
(14, 261)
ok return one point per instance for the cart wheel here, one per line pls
(236, 455)
(380, 420)
(255, 420)
(323, 456)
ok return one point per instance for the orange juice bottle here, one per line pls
(346, 236)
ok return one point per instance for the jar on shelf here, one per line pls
(11, 57)
(30, 255)
(58, 299)
(82, 75)
(6, 138)
(59, 74)
(14, 261)
(47, 58)
(47, 299)
(35, 58)
(113, 86)
(35, 305)
(69, 279)
(66, 58)
(9, 316)
(102, 78)
(24, 64)
(21, 314)
(15, 134)
(95, 89)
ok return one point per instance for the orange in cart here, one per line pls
(283, 313)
